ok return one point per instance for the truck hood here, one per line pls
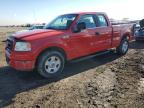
(35, 34)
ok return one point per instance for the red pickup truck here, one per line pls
(67, 37)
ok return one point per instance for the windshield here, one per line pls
(62, 22)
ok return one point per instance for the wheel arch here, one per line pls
(126, 35)
(52, 48)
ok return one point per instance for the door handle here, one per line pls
(97, 33)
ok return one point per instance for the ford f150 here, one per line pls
(67, 37)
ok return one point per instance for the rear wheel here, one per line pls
(50, 64)
(123, 47)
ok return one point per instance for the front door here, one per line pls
(82, 42)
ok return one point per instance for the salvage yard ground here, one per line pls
(106, 81)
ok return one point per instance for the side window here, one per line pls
(89, 21)
(102, 21)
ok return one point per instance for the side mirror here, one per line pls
(79, 27)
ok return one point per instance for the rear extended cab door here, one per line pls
(103, 33)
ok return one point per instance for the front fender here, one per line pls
(58, 43)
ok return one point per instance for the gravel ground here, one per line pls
(106, 81)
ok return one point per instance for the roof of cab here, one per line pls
(89, 13)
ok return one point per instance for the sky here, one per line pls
(15, 12)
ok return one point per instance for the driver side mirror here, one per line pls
(79, 27)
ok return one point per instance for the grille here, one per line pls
(9, 44)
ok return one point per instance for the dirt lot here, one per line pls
(106, 81)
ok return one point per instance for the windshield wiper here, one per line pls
(50, 28)
(54, 28)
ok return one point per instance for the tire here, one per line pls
(50, 64)
(123, 47)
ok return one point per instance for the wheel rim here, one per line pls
(125, 46)
(52, 64)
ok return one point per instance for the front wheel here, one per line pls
(50, 64)
(123, 47)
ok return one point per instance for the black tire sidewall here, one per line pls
(120, 50)
(41, 64)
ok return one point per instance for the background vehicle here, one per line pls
(67, 37)
(139, 31)
(36, 27)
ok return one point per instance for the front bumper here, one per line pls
(19, 63)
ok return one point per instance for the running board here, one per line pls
(90, 56)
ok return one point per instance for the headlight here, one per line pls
(22, 46)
